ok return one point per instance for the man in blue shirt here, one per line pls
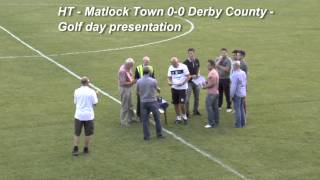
(238, 93)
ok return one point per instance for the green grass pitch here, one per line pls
(36, 117)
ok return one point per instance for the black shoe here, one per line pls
(85, 150)
(178, 122)
(185, 122)
(197, 113)
(161, 137)
(146, 138)
(75, 151)
(188, 115)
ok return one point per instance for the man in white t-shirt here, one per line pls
(178, 76)
(85, 99)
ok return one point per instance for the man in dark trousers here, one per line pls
(193, 65)
(139, 74)
(223, 65)
(244, 67)
(147, 89)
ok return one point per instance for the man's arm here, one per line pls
(170, 80)
(74, 98)
(185, 80)
(95, 98)
(198, 68)
(209, 84)
(123, 79)
(234, 82)
(225, 68)
(187, 76)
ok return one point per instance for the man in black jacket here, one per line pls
(193, 65)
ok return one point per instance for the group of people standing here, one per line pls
(226, 76)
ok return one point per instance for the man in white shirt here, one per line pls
(85, 99)
(178, 77)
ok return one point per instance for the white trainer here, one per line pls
(229, 110)
(207, 126)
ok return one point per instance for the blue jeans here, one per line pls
(212, 109)
(146, 108)
(240, 116)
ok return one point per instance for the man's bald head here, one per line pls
(236, 65)
(174, 61)
(85, 81)
(146, 61)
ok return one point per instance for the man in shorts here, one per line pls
(85, 99)
(178, 77)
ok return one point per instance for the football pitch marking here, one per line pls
(113, 49)
(180, 139)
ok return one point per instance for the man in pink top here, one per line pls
(212, 98)
(126, 81)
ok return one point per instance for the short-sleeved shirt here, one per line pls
(238, 84)
(226, 62)
(147, 89)
(84, 99)
(213, 79)
(124, 76)
(193, 66)
(178, 75)
(244, 66)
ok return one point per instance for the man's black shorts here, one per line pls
(178, 96)
(88, 127)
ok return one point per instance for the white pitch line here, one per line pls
(175, 136)
(113, 49)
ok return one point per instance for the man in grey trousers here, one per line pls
(126, 81)
(193, 65)
(147, 90)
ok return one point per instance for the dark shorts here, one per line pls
(88, 127)
(178, 96)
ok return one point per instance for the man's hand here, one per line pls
(169, 83)
(181, 84)
(204, 85)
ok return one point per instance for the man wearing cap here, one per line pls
(139, 74)
(238, 94)
(85, 99)
(126, 81)
(147, 89)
